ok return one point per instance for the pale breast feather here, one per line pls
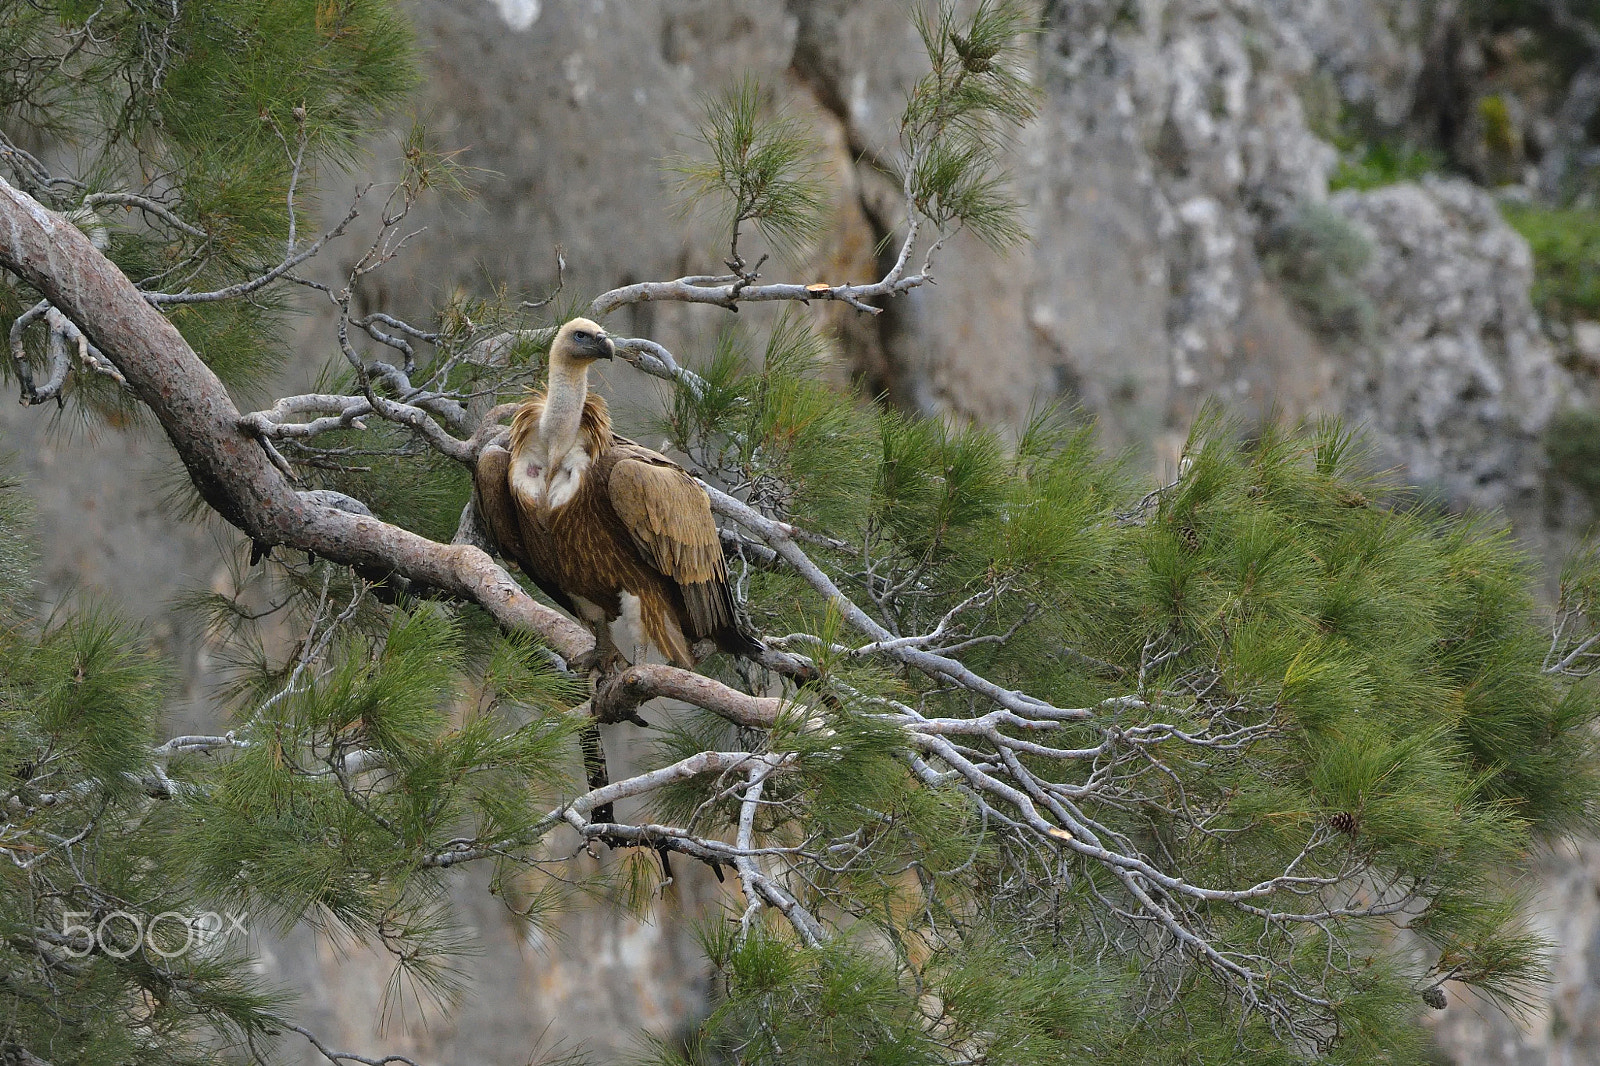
(566, 478)
(527, 481)
(536, 482)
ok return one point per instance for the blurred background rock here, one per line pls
(1382, 209)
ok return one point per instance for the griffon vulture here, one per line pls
(616, 534)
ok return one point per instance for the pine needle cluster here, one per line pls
(209, 114)
(87, 972)
(762, 168)
(962, 112)
(1388, 663)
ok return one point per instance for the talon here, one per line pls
(597, 660)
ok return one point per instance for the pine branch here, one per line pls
(1111, 804)
(245, 488)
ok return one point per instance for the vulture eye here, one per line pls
(582, 335)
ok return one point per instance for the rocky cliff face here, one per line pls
(1175, 149)
(1173, 164)
(1457, 377)
(1185, 248)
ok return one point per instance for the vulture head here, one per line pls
(579, 343)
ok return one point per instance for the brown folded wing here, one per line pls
(668, 516)
(492, 496)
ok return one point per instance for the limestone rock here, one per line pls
(1373, 51)
(1460, 377)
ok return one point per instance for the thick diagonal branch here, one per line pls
(227, 465)
(235, 474)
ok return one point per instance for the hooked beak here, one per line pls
(608, 349)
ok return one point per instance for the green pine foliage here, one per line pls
(289, 831)
(771, 428)
(849, 1002)
(16, 548)
(80, 697)
(967, 104)
(1394, 658)
(208, 107)
(762, 168)
(123, 858)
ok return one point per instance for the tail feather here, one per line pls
(712, 604)
(735, 641)
(661, 626)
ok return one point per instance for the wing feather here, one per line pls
(491, 487)
(668, 517)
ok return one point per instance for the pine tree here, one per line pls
(1234, 769)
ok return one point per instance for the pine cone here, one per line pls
(974, 58)
(1190, 538)
(1353, 498)
(1434, 997)
(1343, 822)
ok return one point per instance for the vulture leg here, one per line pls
(594, 769)
(605, 657)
